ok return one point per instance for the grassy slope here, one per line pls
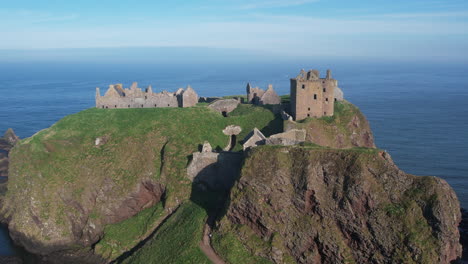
(325, 130)
(123, 236)
(177, 240)
(232, 250)
(63, 160)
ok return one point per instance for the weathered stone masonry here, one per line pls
(118, 97)
(312, 96)
(259, 96)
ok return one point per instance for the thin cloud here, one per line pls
(55, 18)
(34, 17)
(422, 15)
(276, 4)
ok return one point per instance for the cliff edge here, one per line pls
(111, 185)
(317, 205)
(347, 128)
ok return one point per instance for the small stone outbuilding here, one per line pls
(253, 139)
(216, 170)
(224, 106)
(288, 138)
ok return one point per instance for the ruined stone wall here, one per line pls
(293, 134)
(117, 97)
(216, 170)
(270, 97)
(255, 94)
(145, 101)
(261, 97)
(189, 97)
(339, 96)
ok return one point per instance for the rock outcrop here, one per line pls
(10, 137)
(71, 197)
(464, 234)
(316, 205)
(7, 142)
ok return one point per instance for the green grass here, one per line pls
(123, 236)
(177, 240)
(235, 96)
(233, 251)
(326, 130)
(285, 99)
(62, 162)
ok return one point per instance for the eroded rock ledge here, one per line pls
(315, 205)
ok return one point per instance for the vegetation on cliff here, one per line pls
(347, 128)
(111, 184)
(102, 166)
(321, 205)
(177, 240)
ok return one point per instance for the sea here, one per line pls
(418, 111)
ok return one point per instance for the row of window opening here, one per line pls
(115, 106)
(324, 113)
(324, 89)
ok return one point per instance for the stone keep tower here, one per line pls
(312, 96)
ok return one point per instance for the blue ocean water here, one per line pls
(418, 112)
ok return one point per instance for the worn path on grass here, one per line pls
(205, 246)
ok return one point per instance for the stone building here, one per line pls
(312, 96)
(261, 97)
(224, 106)
(253, 139)
(118, 97)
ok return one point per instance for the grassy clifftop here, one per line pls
(100, 181)
(76, 188)
(347, 128)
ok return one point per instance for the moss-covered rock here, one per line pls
(320, 205)
(347, 128)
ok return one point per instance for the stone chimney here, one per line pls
(98, 93)
(329, 75)
(249, 87)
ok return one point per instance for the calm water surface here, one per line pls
(418, 112)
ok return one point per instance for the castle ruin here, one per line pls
(259, 96)
(118, 97)
(312, 96)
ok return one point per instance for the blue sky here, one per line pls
(369, 28)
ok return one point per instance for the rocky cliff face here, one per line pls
(7, 142)
(58, 209)
(315, 205)
(464, 234)
(346, 129)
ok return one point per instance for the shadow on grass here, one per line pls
(212, 185)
